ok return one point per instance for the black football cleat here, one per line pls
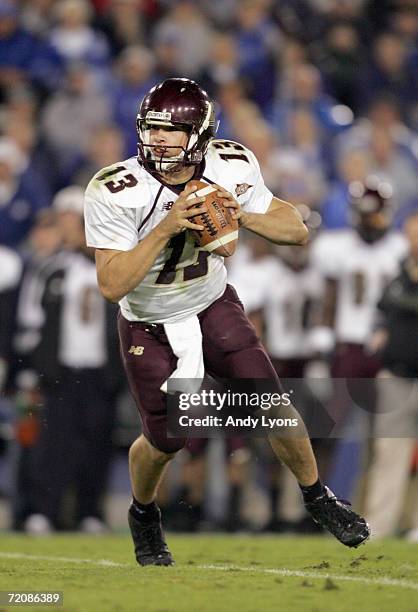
(339, 519)
(150, 545)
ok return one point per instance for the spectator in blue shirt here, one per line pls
(76, 41)
(302, 90)
(257, 40)
(22, 194)
(22, 55)
(389, 71)
(71, 115)
(136, 78)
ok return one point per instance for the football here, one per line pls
(220, 233)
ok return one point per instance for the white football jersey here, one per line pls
(286, 307)
(124, 202)
(251, 277)
(362, 271)
(11, 268)
(82, 342)
(282, 294)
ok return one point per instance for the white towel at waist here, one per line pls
(185, 338)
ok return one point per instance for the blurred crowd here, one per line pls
(325, 93)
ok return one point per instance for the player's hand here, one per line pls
(377, 342)
(232, 203)
(178, 219)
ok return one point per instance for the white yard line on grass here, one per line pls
(101, 562)
(383, 581)
(404, 584)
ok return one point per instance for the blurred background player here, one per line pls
(393, 453)
(356, 264)
(11, 267)
(73, 448)
(43, 257)
(282, 302)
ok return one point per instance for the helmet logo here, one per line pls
(159, 116)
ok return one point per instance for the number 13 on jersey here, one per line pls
(169, 271)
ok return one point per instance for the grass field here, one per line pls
(216, 573)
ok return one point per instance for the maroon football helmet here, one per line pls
(371, 208)
(180, 104)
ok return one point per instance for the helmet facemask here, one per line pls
(172, 163)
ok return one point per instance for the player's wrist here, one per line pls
(244, 220)
(162, 233)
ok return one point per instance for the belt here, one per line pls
(155, 329)
(147, 326)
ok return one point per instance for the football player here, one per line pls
(396, 422)
(12, 270)
(281, 303)
(64, 339)
(137, 216)
(357, 263)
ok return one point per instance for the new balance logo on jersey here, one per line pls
(242, 188)
(136, 350)
(167, 205)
